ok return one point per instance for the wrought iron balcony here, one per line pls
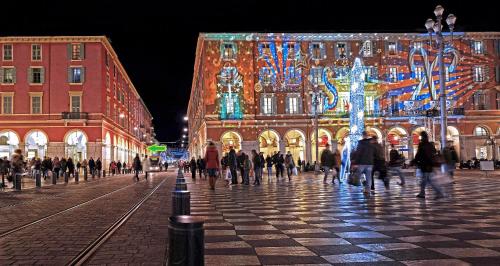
(75, 115)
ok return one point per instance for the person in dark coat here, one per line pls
(98, 165)
(233, 165)
(193, 168)
(364, 158)
(92, 166)
(119, 167)
(137, 166)
(64, 166)
(269, 164)
(426, 159)
(71, 167)
(379, 163)
(395, 164)
(241, 163)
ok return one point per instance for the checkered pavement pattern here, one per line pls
(308, 222)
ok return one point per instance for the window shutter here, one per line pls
(30, 75)
(1, 74)
(287, 104)
(82, 51)
(70, 75)
(386, 47)
(336, 50)
(299, 99)
(262, 98)
(82, 76)
(14, 75)
(274, 106)
(69, 51)
(42, 75)
(348, 49)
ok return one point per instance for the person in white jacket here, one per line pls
(146, 166)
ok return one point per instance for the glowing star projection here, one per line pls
(356, 117)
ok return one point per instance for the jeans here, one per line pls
(367, 170)
(450, 168)
(427, 178)
(258, 175)
(289, 171)
(396, 170)
(269, 171)
(234, 178)
(246, 177)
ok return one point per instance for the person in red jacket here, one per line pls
(212, 164)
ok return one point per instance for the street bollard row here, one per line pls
(186, 234)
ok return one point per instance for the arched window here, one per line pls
(480, 131)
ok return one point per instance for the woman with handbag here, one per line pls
(212, 164)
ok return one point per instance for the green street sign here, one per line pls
(157, 148)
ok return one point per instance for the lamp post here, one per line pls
(492, 141)
(316, 96)
(436, 27)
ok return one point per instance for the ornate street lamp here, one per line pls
(316, 96)
(436, 27)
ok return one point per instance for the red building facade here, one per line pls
(69, 97)
(255, 91)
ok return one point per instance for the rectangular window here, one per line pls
(369, 104)
(477, 47)
(291, 50)
(7, 104)
(266, 48)
(228, 52)
(36, 75)
(367, 49)
(480, 100)
(292, 75)
(76, 51)
(7, 52)
(419, 73)
(393, 74)
(76, 75)
(36, 52)
(8, 75)
(36, 104)
(316, 51)
(417, 45)
(341, 50)
(293, 105)
(267, 105)
(391, 46)
(478, 72)
(316, 73)
(371, 74)
(108, 108)
(76, 103)
(265, 75)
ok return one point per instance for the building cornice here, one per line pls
(337, 36)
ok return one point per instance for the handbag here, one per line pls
(294, 171)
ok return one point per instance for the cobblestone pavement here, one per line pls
(57, 240)
(308, 222)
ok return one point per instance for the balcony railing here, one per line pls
(75, 115)
(399, 113)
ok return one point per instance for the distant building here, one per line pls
(71, 97)
(253, 91)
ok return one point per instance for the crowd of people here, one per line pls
(47, 166)
(367, 161)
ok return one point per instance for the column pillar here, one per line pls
(308, 151)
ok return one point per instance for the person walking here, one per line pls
(212, 164)
(64, 166)
(395, 164)
(247, 165)
(193, 168)
(71, 167)
(364, 159)
(450, 158)
(426, 159)
(379, 164)
(146, 165)
(326, 162)
(299, 165)
(281, 165)
(240, 159)
(16, 165)
(118, 167)
(137, 165)
(232, 163)
(84, 165)
(336, 165)
(290, 165)
(257, 167)
(78, 166)
(269, 164)
(57, 166)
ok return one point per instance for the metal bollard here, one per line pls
(66, 177)
(103, 173)
(85, 174)
(179, 185)
(181, 204)
(77, 178)
(54, 178)
(17, 182)
(186, 238)
(98, 173)
(38, 179)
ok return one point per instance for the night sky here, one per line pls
(156, 42)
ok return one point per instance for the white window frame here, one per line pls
(268, 76)
(291, 47)
(478, 47)
(4, 69)
(267, 106)
(11, 52)
(478, 74)
(317, 79)
(36, 54)
(393, 74)
(418, 45)
(370, 104)
(73, 68)
(11, 96)
(367, 48)
(76, 94)
(394, 50)
(33, 76)
(293, 104)
(36, 95)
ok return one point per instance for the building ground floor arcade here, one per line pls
(76, 141)
(471, 138)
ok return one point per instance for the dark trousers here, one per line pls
(234, 177)
(201, 171)
(193, 173)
